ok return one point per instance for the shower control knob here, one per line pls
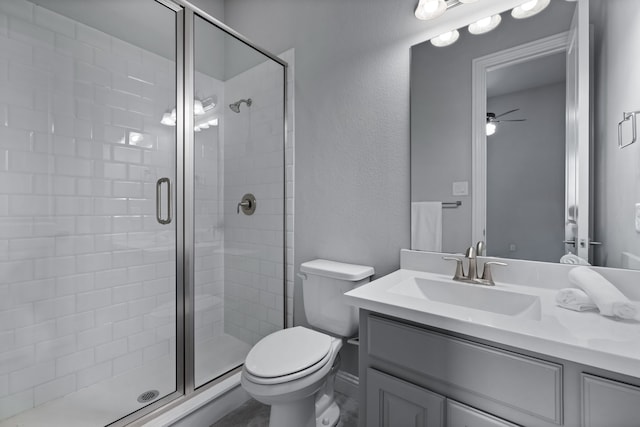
(247, 204)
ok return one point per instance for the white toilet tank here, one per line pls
(323, 286)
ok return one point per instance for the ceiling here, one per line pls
(527, 75)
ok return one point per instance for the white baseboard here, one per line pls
(347, 383)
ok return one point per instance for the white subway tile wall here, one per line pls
(87, 275)
(254, 163)
(209, 222)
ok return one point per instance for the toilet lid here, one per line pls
(287, 351)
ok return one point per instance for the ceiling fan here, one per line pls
(492, 119)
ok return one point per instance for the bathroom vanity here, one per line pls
(505, 360)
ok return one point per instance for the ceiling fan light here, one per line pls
(491, 128)
(485, 25)
(445, 39)
(529, 8)
(430, 9)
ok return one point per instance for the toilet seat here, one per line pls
(288, 355)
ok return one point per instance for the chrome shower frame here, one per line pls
(184, 212)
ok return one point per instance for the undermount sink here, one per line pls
(473, 296)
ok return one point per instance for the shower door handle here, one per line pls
(159, 217)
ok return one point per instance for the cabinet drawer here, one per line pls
(609, 403)
(459, 415)
(524, 383)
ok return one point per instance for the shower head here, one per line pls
(235, 107)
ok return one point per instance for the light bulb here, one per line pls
(530, 8)
(445, 39)
(135, 137)
(430, 9)
(485, 24)
(198, 110)
(491, 128)
(167, 120)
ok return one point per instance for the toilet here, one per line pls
(293, 370)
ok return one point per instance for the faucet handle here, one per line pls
(480, 248)
(459, 274)
(486, 274)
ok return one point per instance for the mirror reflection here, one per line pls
(546, 182)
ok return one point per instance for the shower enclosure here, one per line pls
(133, 269)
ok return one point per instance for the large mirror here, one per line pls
(547, 181)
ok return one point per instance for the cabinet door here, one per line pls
(392, 402)
(609, 403)
(459, 415)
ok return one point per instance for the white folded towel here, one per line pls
(426, 226)
(610, 301)
(573, 259)
(574, 299)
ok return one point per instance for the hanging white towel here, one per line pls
(426, 226)
(610, 301)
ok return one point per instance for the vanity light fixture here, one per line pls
(445, 39)
(485, 25)
(430, 9)
(530, 8)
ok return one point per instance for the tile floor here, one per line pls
(255, 414)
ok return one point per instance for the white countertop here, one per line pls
(583, 337)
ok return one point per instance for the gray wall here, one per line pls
(617, 180)
(525, 175)
(441, 111)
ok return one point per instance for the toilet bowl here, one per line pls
(291, 377)
(293, 370)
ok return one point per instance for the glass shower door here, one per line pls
(87, 226)
(238, 199)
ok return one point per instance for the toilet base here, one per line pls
(299, 413)
(330, 417)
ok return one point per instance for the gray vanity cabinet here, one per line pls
(414, 375)
(459, 415)
(392, 402)
(609, 403)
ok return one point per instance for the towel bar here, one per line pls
(451, 204)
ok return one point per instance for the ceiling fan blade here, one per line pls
(508, 112)
(514, 120)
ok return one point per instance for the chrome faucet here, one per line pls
(472, 272)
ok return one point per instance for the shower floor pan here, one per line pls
(109, 400)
